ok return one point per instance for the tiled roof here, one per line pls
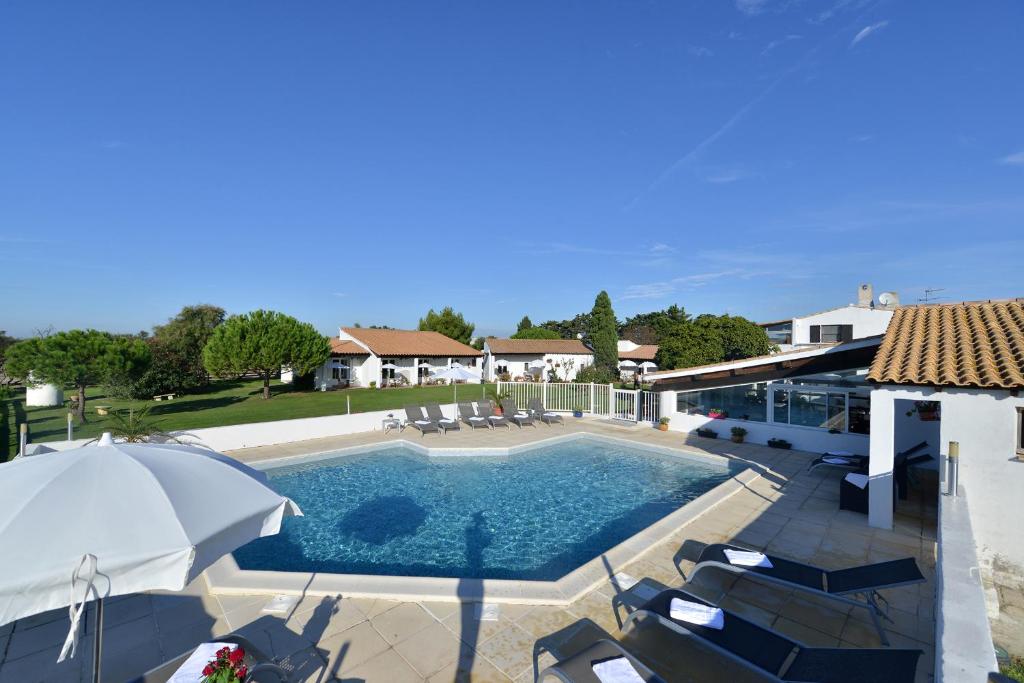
(642, 352)
(970, 344)
(535, 346)
(346, 347)
(391, 343)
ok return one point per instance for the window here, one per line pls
(830, 334)
(502, 369)
(388, 373)
(860, 413)
(819, 409)
(1020, 432)
(744, 402)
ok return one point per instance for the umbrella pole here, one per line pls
(97, 641)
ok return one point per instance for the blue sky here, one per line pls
(348, 162)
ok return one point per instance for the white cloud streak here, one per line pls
(1015, 159)
(868, 30)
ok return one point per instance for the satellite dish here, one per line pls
(888, 299)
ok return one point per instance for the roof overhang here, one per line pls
(856, 354)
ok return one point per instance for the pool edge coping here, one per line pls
(225, 577)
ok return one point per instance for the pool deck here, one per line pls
(784, 510)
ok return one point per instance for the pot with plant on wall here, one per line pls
(738, 433)
(663, 424)
(717, 414)
(577, 411)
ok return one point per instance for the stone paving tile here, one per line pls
(387, 666)
(403, 621)
(430, 650)
(348, 649)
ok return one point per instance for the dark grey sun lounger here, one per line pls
(446, 423)
(580, 667)
(537, 408)
(838, 584)
(512, 412)
(484, 410)
(414, 418)
(763, 650)
(857, 462)
(470, 417)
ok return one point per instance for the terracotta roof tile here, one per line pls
(345, 347)
(642, 352)
(501, 346)
(970, 344)
(392, 343)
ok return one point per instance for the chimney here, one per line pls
(865, 295)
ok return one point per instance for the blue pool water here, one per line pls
(534, 515)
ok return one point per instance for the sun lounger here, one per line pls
(848, 461)
(261, 668)
(512, 412)
(838, 584)
(537, 408)
(484, 410)
(762, 650)
(415, 418)
(446, 423)
(470, 417)
(580, 667)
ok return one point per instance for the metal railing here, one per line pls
(595, 399)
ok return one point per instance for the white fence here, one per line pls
(595, 399)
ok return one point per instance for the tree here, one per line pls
(649, 328)
(569, 329)
(603, 333)
(524, 324)
(185, 335)
(79, 358)
(262, 342)
(449, 323)
(740, 338)
(536, 333)
(686, 345)
(5, 343)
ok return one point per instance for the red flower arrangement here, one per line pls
(227, 667)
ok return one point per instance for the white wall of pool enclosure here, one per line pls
(593, 399)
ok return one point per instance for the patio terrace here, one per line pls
(785, 511)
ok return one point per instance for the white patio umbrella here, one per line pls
(454, 373)
(648, 365)
(112, 519)
(627, 364)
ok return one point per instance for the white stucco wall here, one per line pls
(517, 361)
(867, 322)
(984, 423)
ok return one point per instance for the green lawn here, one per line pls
(224, 403)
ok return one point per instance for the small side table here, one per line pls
(389, 423)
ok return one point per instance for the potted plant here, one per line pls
(373, 384)
(663, 424)
(707, 433)
(717, 414)
(779, 443)
(737, 434)
(577, 411)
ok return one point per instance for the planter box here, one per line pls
(707, 433)
(779, 443)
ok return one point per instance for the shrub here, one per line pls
(779, 443)
(664, 421)
(596, 375)
(707, 433)
(738, 431)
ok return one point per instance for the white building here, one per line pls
(866, 318)
(358, 357)
(535, 359)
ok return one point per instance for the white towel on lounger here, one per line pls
(836, 460)
(191, 669)
(475, 417)
(858, 480)
(522, 415)
(618, 670)
(422, 422)
(747, 558)
(696, 613)
(495, 417)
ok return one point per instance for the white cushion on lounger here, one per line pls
(618, 670)
(846, 454)
(522, 415)
(858, 480)
(445, 419)
(422, 422)
(494, 417)
(747, 558)
(696, 613)
(475, 417)
(550, 414)
(836, 460)
(191, 670)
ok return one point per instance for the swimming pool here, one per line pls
(533, 515)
